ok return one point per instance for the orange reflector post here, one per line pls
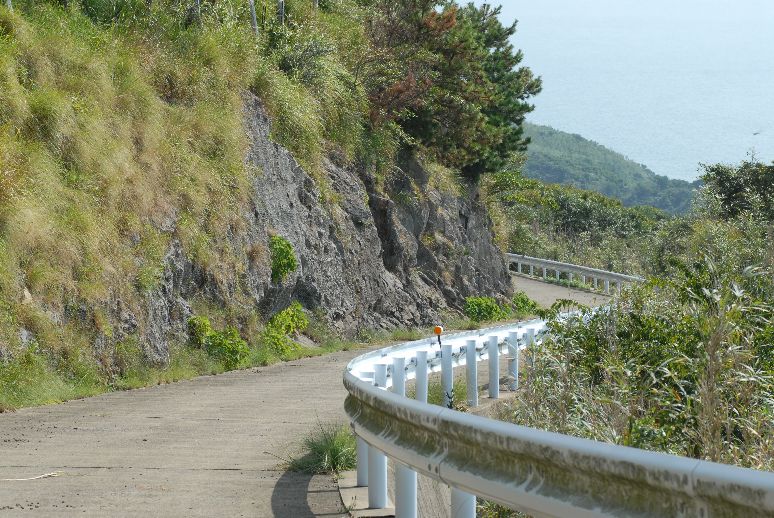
(438, 330)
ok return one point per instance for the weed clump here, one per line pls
(331, 449)
(487, 309)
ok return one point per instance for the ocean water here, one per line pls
(668, 83)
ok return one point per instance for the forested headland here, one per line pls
(558, 157)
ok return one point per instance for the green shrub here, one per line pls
(199, 329)
(290, 320)
(228, 347)
(225, 346)
(482, 309)
(281, 327)
(283, 259)
(522, 305)
(332, 449)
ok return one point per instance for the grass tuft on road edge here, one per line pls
(330, 449)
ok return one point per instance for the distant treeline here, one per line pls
(558, 157)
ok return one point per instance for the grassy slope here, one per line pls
(558, 157)
(120, 130)
(110, 133)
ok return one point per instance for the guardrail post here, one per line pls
(377, 461)
(447, 376)
(494, 368)
(531, 270)
(421, 377)
(596, 283)
(518, 267)
(281, 11)
(569, 276)
(471, 372)
(362, 463)
(463, 505)
(558, 274)
(583, 279)
(607, 287)
(618, 287)
(405, 478)
(544, 273)
(513, 360)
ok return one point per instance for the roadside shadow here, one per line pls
(300, 495)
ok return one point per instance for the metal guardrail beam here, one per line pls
(549, 264)
(548, 474)
(542, 473)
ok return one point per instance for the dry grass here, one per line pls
(119, 135)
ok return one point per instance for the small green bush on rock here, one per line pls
(199, 328)
(482, 309)
(283, 259)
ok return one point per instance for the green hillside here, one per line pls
(558, 157)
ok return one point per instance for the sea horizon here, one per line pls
(668, 85)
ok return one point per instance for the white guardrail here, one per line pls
(541, 473)
(590, 277)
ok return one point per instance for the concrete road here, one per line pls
(212, 446)
(546, 294)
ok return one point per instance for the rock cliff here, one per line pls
(366, 260)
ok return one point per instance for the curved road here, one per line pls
(211, 446)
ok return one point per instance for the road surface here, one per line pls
(211, 446)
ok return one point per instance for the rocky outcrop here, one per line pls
(366, 259)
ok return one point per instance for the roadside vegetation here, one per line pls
(29, 380)
(121, 135)
(681, 364)
(684, 363)
(570, 224)
(488, 309)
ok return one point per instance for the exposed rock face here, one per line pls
(367, 261)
